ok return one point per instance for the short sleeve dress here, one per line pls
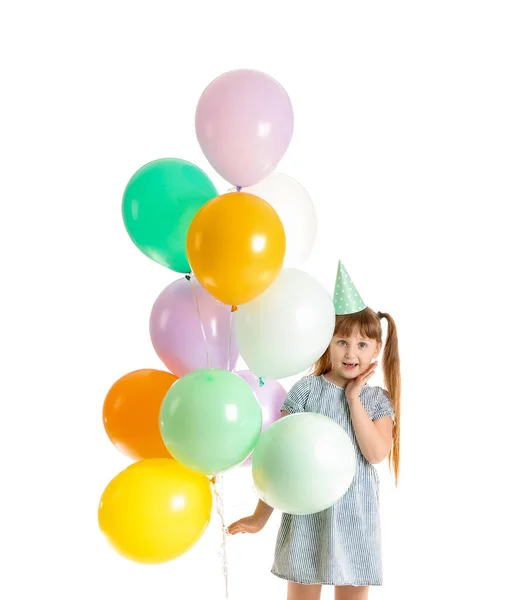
(342, 544)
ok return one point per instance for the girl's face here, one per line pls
(352, 356)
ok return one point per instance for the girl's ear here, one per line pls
(378, 350)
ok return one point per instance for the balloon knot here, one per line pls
(187, 277)
(238, 188)
(234, 308)
(261, 382)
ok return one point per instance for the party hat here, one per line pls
(346, 298)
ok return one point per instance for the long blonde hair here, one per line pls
(368, 324)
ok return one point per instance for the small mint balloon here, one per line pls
(210, 420)
(159, 203)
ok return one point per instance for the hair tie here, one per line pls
(380, 315)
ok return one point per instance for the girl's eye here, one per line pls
(342, 342)
(363, 344)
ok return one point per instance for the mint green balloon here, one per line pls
(210, 420)
(159, 203)
(303, 463)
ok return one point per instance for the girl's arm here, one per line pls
(374, 437)
(258, 520)
(254, 523)
(263, 512)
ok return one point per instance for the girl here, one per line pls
(341, 546)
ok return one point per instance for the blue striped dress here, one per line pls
(342, 544)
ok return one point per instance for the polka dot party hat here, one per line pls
(346, 298)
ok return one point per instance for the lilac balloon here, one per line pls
(244, 124)
(270, 396)
(176, 331)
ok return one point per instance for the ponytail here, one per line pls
(392, 382)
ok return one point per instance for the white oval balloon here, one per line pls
(287, 328)
(317, 469)
(297, 213)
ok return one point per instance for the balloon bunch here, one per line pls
(241, 292)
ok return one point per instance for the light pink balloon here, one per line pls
(176, 329)
(244, 124)
(270, 397)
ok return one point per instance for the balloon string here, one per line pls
(209, 362)
(229, 340)
(217, 482)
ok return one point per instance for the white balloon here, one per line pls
(297, 213)
(287, 328)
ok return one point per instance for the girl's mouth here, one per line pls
(350, 366)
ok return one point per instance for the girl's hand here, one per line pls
(250, 524)
(354, 386)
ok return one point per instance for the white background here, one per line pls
(408, 134)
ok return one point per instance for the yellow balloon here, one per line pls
(155, 510)
(236, 246)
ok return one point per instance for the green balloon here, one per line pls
(159, 203)
(210, 420)
(303, 463)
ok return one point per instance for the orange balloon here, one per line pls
(131, 413)
(236, 246)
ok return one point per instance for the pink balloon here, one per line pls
(176, 333)
(244, 124)
(270, 396)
